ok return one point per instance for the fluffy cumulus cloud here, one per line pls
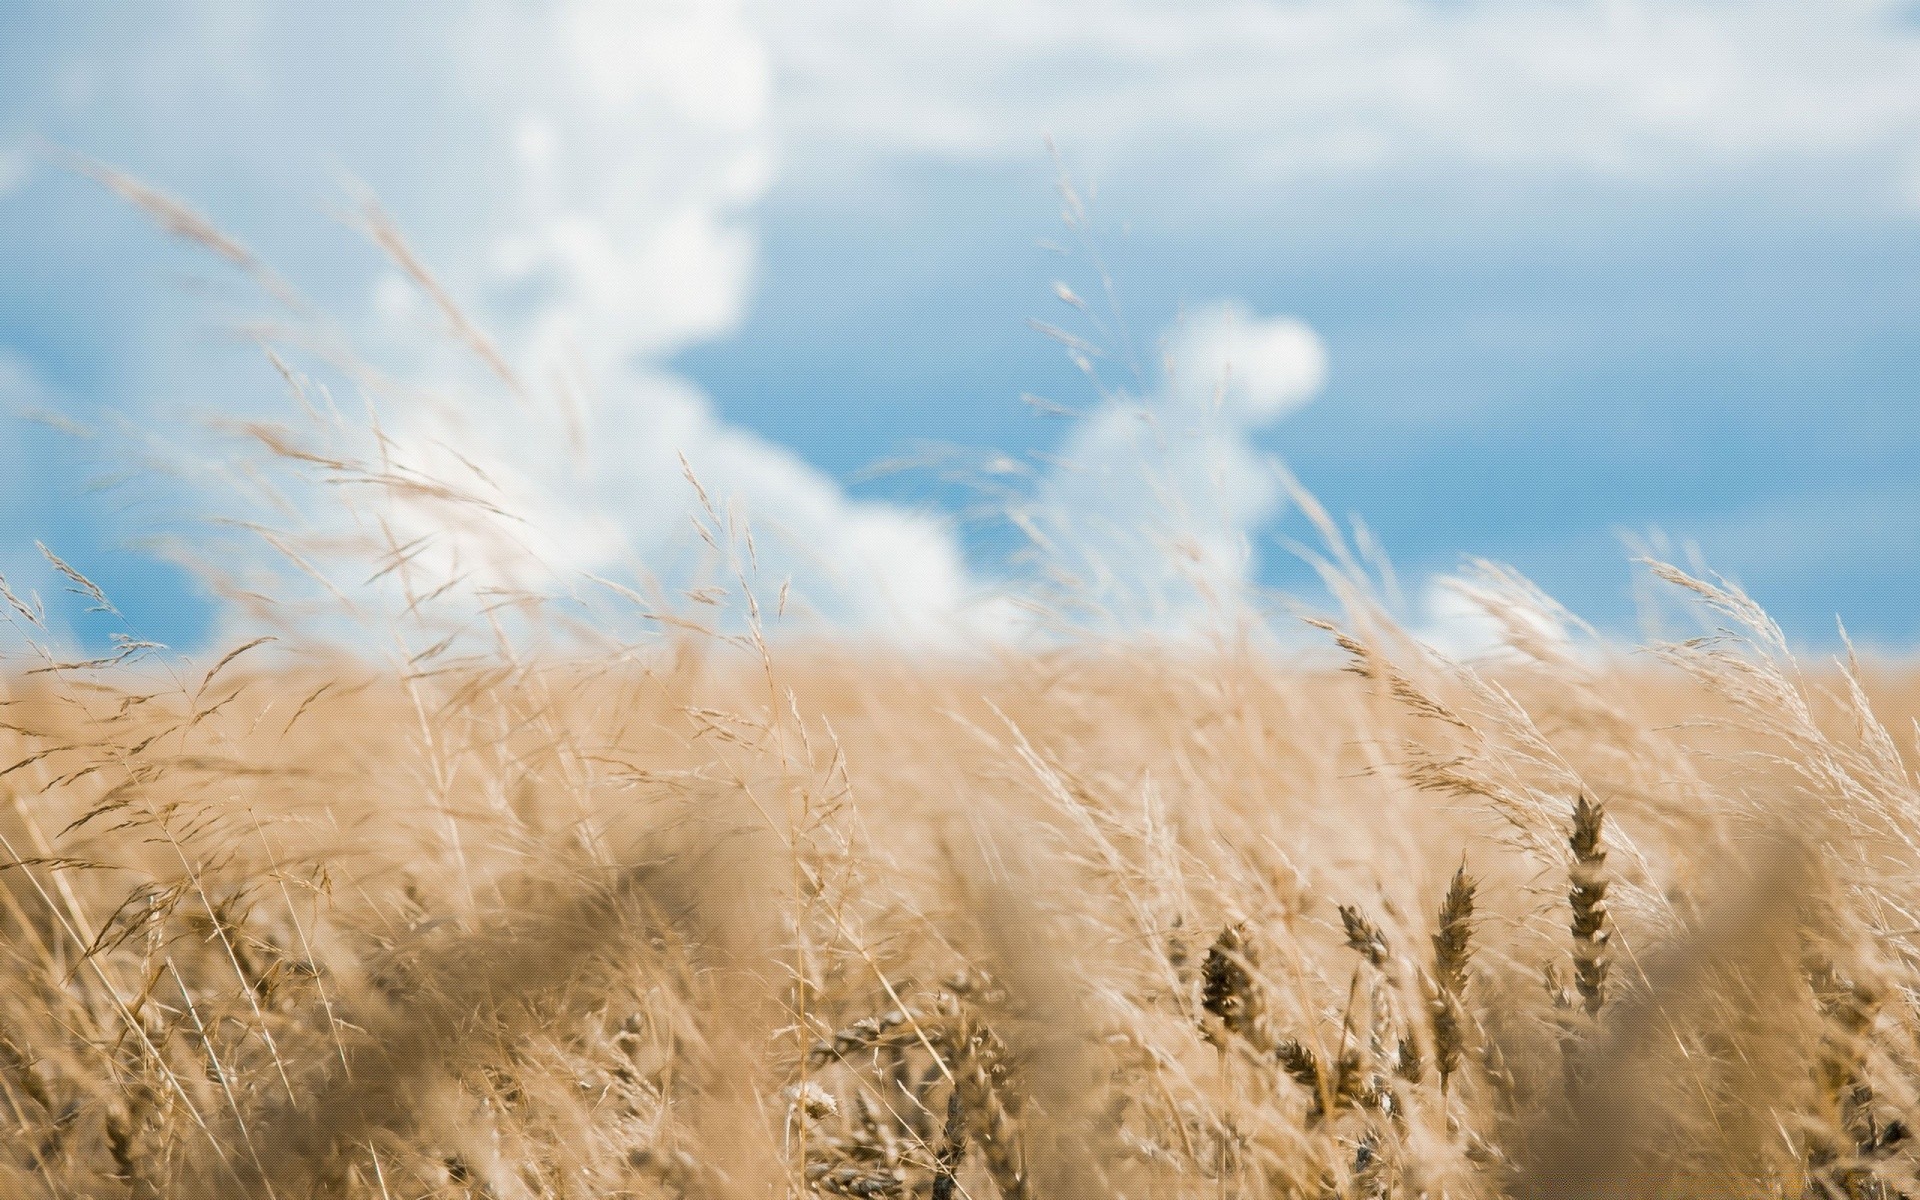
(1150, 511)
(585, 177)
(582, 179)
(635, 143)
(638, 141)
(1252, 370)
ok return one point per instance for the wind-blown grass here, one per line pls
(730, 915)
(1086, 920)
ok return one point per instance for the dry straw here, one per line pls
(739, 915)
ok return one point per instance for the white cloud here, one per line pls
(1153, 504)
(633, 141)
(624, 503)
(1455, 619)
(1489, 611)
(583, 178)
(1256, 370)
(1241, 88)
(623, 148)
(587, 174)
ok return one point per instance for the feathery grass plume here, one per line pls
(1850, 1007)
(1053, 1034)
(895, 1028)
(1587, 897)
(47, 1121)
(1452, 955)
(461, 996)
(1406, 1061)
(983, 1107)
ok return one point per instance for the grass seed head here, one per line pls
(1227, 988)
(1452, 955)
(1364, 936)
(1587, 897)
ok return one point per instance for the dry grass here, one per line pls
(1094, 920)
(739, 917)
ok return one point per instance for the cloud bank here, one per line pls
(610, 159)
(583, 178)
(587, 175)
(1241, 89)
(639, 140)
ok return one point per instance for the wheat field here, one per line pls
(720, 913)
(738, 918)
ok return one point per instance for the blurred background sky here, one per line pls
(1527, 281)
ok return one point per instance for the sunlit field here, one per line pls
(652, 708)
(726, 915)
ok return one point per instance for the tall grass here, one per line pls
(1093, 919)
(735, 916)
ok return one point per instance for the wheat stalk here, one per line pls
(1452, 955)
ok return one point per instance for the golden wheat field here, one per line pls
(1099, 919)
(721, 913)
(711, 698)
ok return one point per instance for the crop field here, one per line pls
(726, 917)
(417, 883)
(1041, 600)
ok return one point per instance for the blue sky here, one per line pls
(1577, 273)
